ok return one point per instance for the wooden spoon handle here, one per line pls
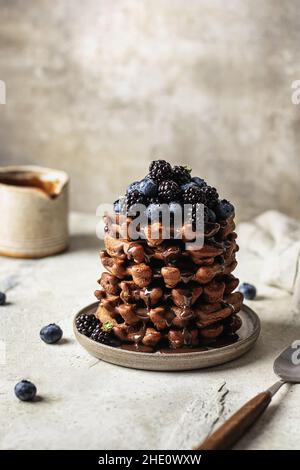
(227, 434)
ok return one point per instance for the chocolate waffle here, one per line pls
(155, 293)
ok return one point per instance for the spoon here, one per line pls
(287, 367)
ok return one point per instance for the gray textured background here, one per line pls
(100, 87)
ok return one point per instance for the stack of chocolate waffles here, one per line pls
(160, 294)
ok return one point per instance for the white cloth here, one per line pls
(275, 239)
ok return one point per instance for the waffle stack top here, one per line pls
(156, 292)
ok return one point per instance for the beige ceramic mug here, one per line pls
(34, 211)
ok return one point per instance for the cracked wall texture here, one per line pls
(100, 88)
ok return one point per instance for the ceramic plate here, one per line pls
(248, 334)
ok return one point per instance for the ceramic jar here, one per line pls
(34, 211)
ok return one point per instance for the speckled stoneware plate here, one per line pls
(248, 334)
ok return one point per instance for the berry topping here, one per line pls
(135, 197)
(148, 187)
(133, 186)
(211, 216)
(175, 208)
(168, 191)
(248, 291)
(50, 334)
(25, 390)
(186, 186)
(197, 214)
(181, 174)
(153, 211)
(2, 298)
(120, 205)
(160, 170)
(224, 209)
(194, 195)
(212, 195)
(198, 181)
(86, 324)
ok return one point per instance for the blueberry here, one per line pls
(25, 390)
(224, 209)
(148, 187)
(120, 205)
(117, 206)
(248, 291)
(51, 333)
(2, 298)
(187, 185)
(198, 181)
(211, 215)
(133, 186)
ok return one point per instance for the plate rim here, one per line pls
(209, 352)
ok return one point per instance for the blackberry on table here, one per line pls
(168, 191)
(193, 195)
(181, 174)
(86, 324)
(160, 170)
(212, 196)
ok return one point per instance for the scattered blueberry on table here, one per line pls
(2, 298)
(25, 390)
(51, 334)
(248, 290)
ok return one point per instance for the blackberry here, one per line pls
(160, 170)
(168, 191)
(104, 337)
(181, 174)
(193, 195)
(86, 324)
(154, 200)
(195, 215)
(212, 196)
(135, 197)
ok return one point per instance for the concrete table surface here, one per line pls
(88, 404)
